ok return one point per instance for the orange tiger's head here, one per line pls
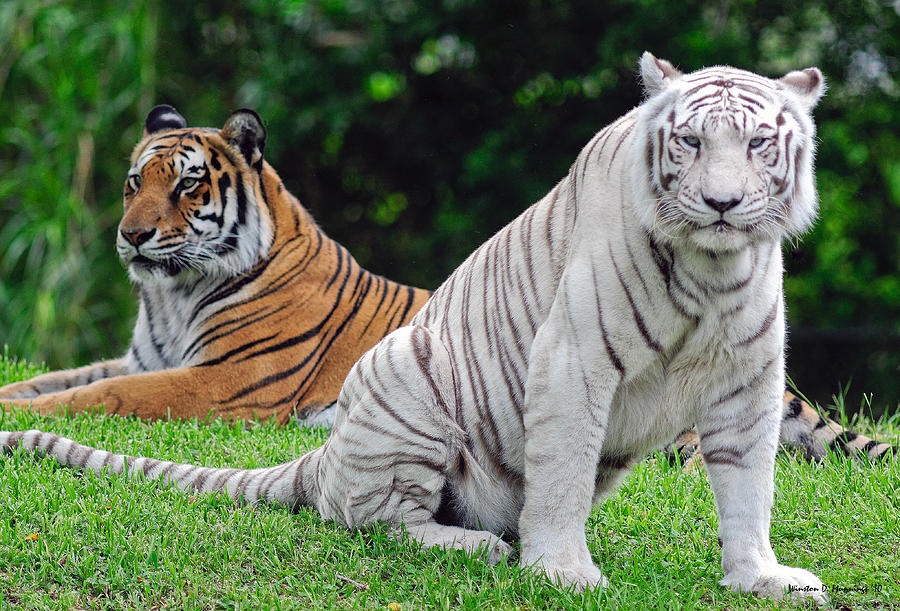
(193, 201)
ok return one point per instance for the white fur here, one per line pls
(629, 318)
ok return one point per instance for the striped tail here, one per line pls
(802, 427)
(293, 483)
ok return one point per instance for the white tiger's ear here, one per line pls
(244, 130)
(656, 74)
(807, 85)
(163, 118)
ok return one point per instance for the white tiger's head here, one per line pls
(728, 154)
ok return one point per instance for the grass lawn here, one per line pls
(72, 540)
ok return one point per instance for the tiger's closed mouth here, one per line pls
(720, 226)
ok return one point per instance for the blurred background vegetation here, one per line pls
(415, 129)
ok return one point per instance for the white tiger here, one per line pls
(641, 295)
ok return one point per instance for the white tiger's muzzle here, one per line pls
(724, 196)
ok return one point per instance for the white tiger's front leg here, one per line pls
(739, 438)
(566, 411)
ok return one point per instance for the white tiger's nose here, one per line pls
(722, 205)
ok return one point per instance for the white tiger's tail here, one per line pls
(293, 483)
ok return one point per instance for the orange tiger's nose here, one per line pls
(138, 236)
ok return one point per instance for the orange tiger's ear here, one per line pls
(656, 74)
(163, 118)
(244, 130)
(807, 85)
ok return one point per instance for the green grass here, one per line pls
(72, 540)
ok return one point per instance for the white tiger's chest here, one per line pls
(663, 397)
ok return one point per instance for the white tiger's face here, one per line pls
(729, 155)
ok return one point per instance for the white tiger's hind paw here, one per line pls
(497, 551)
(581, 577)
(324, 418)
(777, 581)
(475, 542)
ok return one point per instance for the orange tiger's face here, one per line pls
(191, 208)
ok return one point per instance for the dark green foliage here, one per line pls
(414, 130)
(74, 82)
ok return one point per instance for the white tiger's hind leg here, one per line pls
(395, 443)
(475, 542)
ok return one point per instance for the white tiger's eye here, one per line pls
(134, 182)
(691, 141)
(757, 142)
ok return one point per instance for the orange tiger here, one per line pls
(246, 307)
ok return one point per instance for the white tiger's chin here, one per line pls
(711, 240)
(720, 239)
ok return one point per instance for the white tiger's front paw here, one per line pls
(581, 577)
(778, 580)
